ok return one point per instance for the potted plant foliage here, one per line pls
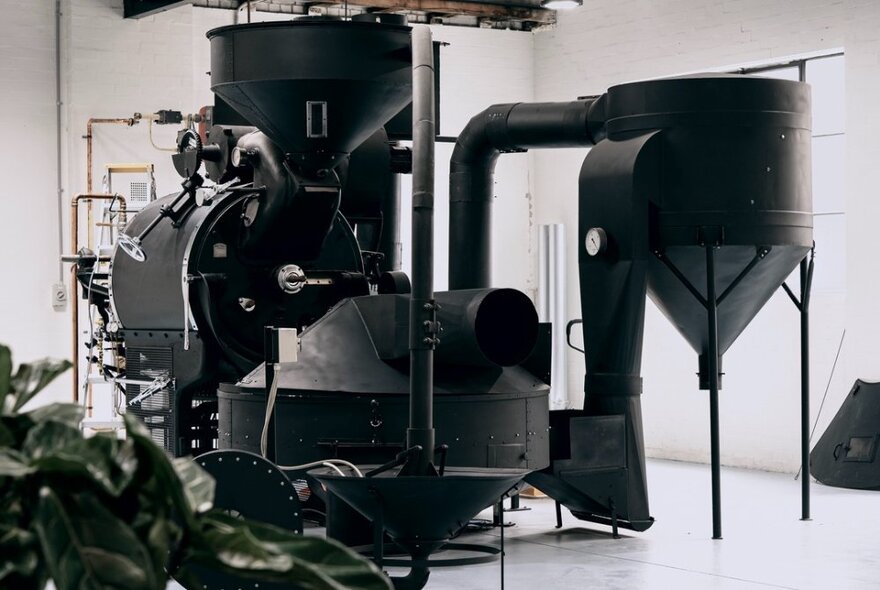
(101, 513)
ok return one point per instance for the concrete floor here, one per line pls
(765, 544)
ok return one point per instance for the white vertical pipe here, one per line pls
(551, 306)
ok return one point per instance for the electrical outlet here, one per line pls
(59, 297)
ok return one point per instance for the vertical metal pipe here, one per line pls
(421, 421)
(805, 391)
(58, 139)
(389, 239)
(552, 308)
(712, 309)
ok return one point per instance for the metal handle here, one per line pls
(568, 328)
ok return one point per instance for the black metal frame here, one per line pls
(802, 304)
(711, 302)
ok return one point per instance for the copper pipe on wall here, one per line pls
(74, 300)
(131, 121)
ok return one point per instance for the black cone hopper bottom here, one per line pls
(421, 513)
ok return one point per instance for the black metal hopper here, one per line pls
(317, 87)
(727, 159)
(421, 513)
(701, 198)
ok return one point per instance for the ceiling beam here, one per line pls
(463, 7)
(142, 8)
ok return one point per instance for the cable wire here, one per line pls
(323, 462)
(153, 143)
(825, 395)
(334, 468)
(264, 436)
(270, 408)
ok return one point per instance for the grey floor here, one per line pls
(765, 544)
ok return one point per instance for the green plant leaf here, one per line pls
(14, 428)
(7, 439)
(60, 452)
(69, 414)
(48, 438)
(263, 552)
(19, 549)
(161, 537)
(198, 485)
(87, 548)
(31, 378)
(5, 375)
(14, 464)
(153, 461)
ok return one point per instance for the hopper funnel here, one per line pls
(421, 513)
(701, 198)
(318, 87)
(719, 162)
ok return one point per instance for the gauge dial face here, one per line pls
(596, 241)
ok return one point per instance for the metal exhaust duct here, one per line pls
(501, 129)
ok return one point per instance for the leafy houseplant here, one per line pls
(100, 514)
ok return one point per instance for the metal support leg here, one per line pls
(806, 280)
(558, 515)
(712, 308)
(378, 533)
(501, 514)
(803, 305)
(711, 303)
(614, 531)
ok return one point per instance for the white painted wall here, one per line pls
(612, 41)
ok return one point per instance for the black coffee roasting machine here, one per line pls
(696, 192)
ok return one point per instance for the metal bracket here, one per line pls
(431, 325)
(153, 387)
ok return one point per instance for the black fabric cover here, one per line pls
(847, 455)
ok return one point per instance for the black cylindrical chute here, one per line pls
(486, 327)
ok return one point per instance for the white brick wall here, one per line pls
(28, 211)
(612, 41)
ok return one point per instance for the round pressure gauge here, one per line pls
(596, 241)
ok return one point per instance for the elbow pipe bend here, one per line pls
(504, 128)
